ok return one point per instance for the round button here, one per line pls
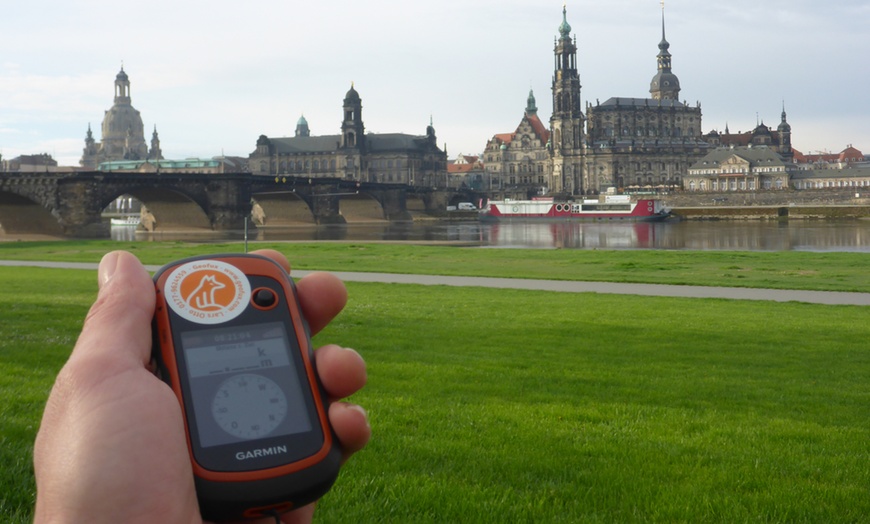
(264, 298)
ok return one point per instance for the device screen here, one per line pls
(243, 383)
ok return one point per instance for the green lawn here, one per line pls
(780, 270)
(518, 406)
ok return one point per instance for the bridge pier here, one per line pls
(325, 205)
(228, 205)
(436, 202)
(395, 206)
(79, 212)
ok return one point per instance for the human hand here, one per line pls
(112, 447)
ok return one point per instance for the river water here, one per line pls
(816, 235)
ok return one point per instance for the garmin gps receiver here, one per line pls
(231, 342)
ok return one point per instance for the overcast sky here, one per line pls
(213, 75)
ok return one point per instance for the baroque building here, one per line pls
(643, 143)
(520, 161)
(123, 133)
(739, 168)
(353, 154)
(779, 140)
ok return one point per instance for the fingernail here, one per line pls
(360, 409)
(107, 268)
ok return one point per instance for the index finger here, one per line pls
(321, 295)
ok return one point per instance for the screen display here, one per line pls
(244, 384)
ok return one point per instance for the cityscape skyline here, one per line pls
(211, 83)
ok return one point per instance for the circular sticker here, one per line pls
(207, 291)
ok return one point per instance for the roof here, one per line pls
(539, 127)
(505, 138)
(455, 168)
(330, 143)
(858, 172)
(618, 101)
(123, 165)
(850, 154)
(756, 156)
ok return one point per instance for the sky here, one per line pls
(213, 75)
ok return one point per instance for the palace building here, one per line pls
(353, 154)
(520, 160)
(123, 133)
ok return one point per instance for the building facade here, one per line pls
(739, 168)
(353, 154)
(123, 133)
(520, 161)
(643, 143)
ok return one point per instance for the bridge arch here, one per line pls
(280, 209)
(23, 215)
(166, 209)
(361, 207)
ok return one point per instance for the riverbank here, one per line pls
(834, 203)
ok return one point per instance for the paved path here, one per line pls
(563, 286)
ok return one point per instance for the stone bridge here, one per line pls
(72, 205)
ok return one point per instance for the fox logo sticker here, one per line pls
(207, 291)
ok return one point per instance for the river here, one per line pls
(805, 235)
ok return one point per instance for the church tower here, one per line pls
(352, 128)
(784, 130)
(156, 153)
(567, 122)
(665, 85)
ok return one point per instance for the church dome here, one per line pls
(122, 76)
(302, 121)
(351, 95)
(665, 82)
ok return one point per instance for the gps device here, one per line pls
(231, 342)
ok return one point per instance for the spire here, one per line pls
(531, 107)
(663, 22)
(665, 85)
(565, 27)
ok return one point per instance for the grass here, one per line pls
(780, 270)
(518, 406)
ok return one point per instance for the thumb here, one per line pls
(118, 326)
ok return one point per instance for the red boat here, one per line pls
(606, 207)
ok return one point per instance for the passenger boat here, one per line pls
(606, 207)
(128, 221)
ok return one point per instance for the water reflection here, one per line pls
(730, 235)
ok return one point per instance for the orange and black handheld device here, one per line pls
(231, 341)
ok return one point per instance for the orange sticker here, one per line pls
(207, 291)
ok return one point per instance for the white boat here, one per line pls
(128, 221)
(606, 207)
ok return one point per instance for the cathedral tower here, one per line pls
(566, 124)
(665, 85)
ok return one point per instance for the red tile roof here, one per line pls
(540, 128)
